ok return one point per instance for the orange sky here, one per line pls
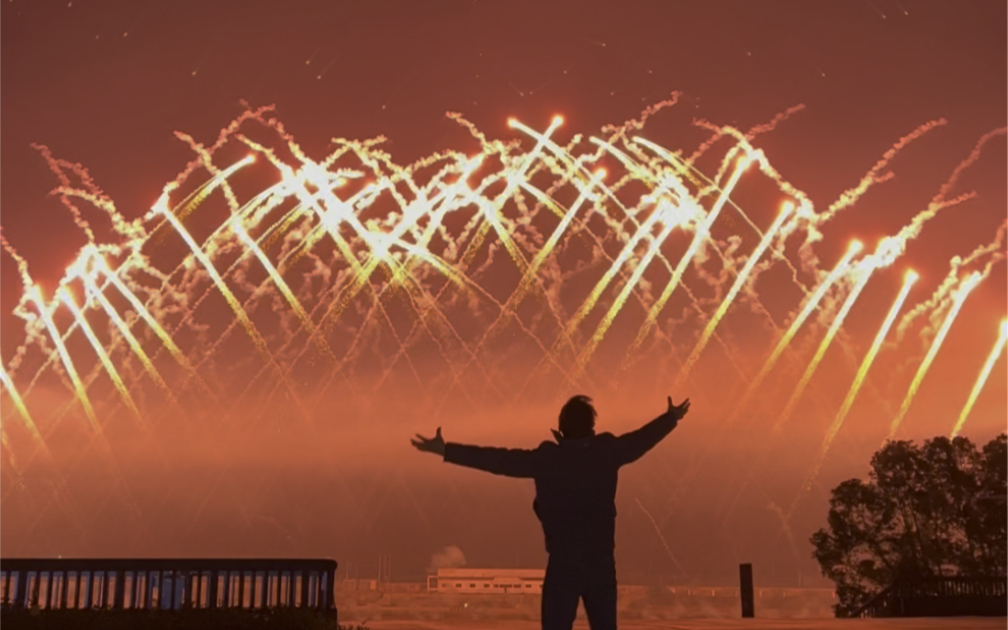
(106, 84)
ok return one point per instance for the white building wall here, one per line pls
(486, 581)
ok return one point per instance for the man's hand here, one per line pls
(677, 412)
(436, 444)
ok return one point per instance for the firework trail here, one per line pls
(965, 288)
(910, 279)
(660, 537)
(320, 253)
(999, 346)
(939, 300)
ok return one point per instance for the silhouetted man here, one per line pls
(575, 480)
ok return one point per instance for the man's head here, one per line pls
(577, 418)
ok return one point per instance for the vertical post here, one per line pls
(120, 590)
(106, 588)
(19, 590)
(241, 589)
(226, 599)
(135, 591)
(212, 590)
(35, 590)
(290, 588)
(64, 589)
(186, 589)
(330, 599)
(49, 590)
(304, 588)
(93, 584)
(166, 589)
(746, 590)
(150, 590)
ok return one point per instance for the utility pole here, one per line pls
(384, 568)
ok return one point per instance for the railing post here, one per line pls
(19, 590)
(35, 590)
(77, 588)
(330, 589)
(746, 590)
(226, 599)
(304, 588)
(186, 590)
(317, 575)
(64, 587)
(150, 589)
(106, 594)
(135, 591)
(212, 590)
(120, 590)
(48, 592)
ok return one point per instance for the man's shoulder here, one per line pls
(546, 444)
(606, 436)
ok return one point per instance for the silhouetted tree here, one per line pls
(935, 510)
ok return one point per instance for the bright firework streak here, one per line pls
(967, 287)
(641, 229)
(736, 287)
(575, 165)
(95, 293)
(64, 296)
(514, 300)
(161, 333)
(865, 274)
(20, 406)
(35, 295)
(908, 282)
(601, 285)
(810, 305)
(982, 378)
(236, 307)
(280, 284)
(672, 216)
(702, 233)
(514, 180)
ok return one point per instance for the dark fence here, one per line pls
(940, 597)
(166, 584)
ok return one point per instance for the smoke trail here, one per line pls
(940, 299)
(662, 538)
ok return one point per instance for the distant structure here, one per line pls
(486, 581)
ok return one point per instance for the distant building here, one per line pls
(486, 581)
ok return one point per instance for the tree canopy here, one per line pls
(926, 511)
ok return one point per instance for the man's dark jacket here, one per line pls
(575, 482)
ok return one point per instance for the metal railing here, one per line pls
(166, 584)
(940, 596)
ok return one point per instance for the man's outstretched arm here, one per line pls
(510, 462)
(631, 446)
